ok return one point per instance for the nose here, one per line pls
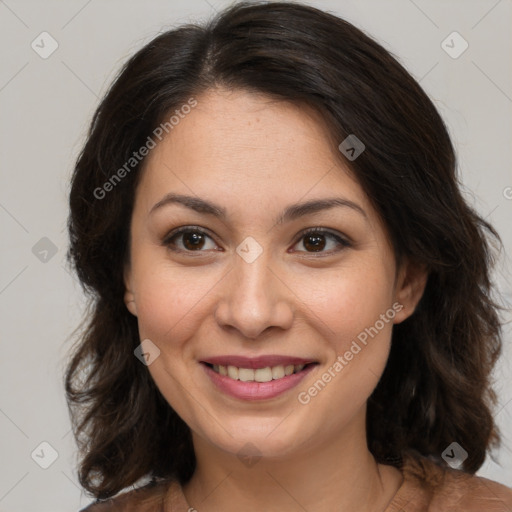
(254, 298)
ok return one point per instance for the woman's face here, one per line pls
(244, 284)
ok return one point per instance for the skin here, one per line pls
(255, 156)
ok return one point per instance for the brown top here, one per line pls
(427, 487)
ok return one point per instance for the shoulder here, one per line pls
(447, 489)
(149, 498)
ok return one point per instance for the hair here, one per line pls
(436, 387)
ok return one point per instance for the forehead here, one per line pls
(250, 150)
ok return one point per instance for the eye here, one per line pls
(189, 239)
(195, 239)
(317, 239)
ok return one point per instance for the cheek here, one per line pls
(169, 300)
(356, 318)
(171, 305)
(356, 306)
(351, 301)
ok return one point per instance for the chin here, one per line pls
(269, 439)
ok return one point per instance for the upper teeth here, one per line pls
(259, 375)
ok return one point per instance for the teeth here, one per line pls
(278, 372)
(233, 372)
(245, 374)
(263, 374)
(259, 375)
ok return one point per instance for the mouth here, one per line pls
(265, 374)
(261, 378)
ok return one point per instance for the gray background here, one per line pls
(46, 105)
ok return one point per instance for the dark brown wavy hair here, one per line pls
(436, 387)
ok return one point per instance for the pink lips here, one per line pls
(256, 390)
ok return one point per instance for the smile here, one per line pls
(257, 375)
(260, 383)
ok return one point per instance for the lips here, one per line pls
(256, 378)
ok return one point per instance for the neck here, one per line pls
(339, 474)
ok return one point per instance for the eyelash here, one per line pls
(168, 240)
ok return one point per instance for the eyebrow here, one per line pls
(291, 212)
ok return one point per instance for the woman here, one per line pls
(291, 299)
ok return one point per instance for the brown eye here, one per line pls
(189, 240)
(314, 242)
(193, 240)
(318, 239)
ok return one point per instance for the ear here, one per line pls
(409, 288)
(129, 295)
